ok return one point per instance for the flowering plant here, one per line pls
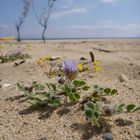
(70, 69)
(93, 104)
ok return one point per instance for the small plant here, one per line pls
(13, 57)
(123, 108)
(36, 94)
(92, 111)
(68, 89)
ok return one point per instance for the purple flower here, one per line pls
(70, 69)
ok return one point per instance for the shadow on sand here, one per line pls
(88, 130)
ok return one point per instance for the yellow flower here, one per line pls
(96, 62)
(97, 68)
(1, 46)
(39, 62)
(80, 67)
(45, 58)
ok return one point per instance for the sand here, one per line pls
(19, 122)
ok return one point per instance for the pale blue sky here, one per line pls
(75, 19)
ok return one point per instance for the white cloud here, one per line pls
(106, 30)
(68, 12)
(108, 1)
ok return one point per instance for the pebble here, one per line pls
(107, 136)
(6, 85)
(123, 78)
(90, 75)
(109, 110)
(45, 138)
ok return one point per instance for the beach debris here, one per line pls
(92, 56)
(107, 136)
(19, 62)
(44, 138)
(123, 78)
(102, 50)
(6, 85)
(83, 58)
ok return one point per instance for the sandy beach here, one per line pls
(19, 122)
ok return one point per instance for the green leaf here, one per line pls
(54, 102)
(97, 107)
(34, 82)
(86, 87)
(34, 97)
(38, 86)
(67, 89)
(72, 97)
(96, 114)
(113, 92)
(79, 83)
(101, 90)
(120, 108)
(89, 106)
(96, 86)
(77, 96)
(76, 83)
(89, 113)
(53, 86)
(95, 121)
(136, 108)
(48, 85)
(107, 90)
(46, 94)
(82, 83)
(130, 107)
(22, 88)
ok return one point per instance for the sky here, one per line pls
(74, 19)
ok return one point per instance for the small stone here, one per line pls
(90, 75)
(107, 136)
(6, 85)
(123, 78)
(18, 62)
(109, 110)
(83, 58)
(44, 138)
